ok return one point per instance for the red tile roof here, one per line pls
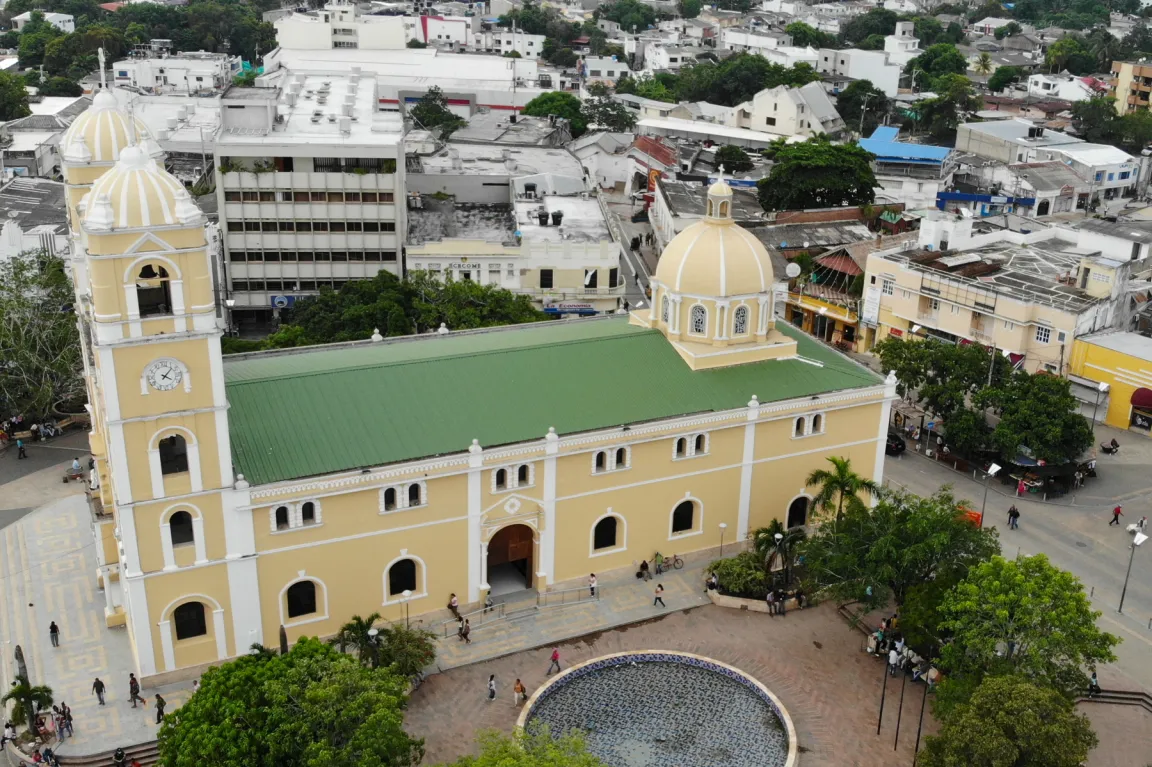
(659, 151)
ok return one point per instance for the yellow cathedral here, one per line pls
(296, 488)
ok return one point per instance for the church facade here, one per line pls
(296, 488)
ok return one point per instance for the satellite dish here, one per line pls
(792, 270)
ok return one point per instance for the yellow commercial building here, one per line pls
(1123, 362)
(296, 488)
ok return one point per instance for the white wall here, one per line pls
(862, 65)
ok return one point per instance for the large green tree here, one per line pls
(887, 551)
(1039, 415)
(628, 14)
(606, 113)
(1002, 78)
(1095, 119)
(313, 707)
(939, 376)
(734, 159)
(431, 112)
(804, 36)
(561, 104)
(818, 174)
(936, 62)
(839, 487)
(877, 21)
(956, 101)
(1011, 721)
(863, 106)
(1022, 616)
(39, 343)
(13, 98)
(536, 748)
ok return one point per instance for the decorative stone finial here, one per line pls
(443, 329)
(551, 436)
(754, 402)
(891, 379)
(241, 483)
(475, 448)
(376, 335)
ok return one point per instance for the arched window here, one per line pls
(817, 424)
(390, 499)
(621, 457)
(173, 455)
(282, 518)
(402, 577)
(601, 461)
(188, 620)
(180, 526)
(699, 320)
(740, 321)
(604, 536)
(153, 295)
(414, 495)
(522, 475)
(683, 517)
(501, 479)
(711, 207)
(798, 430)
(798, 512)
(301, 599)
(308, 513)
(723, 210)
(664, 308)
(701, 443)
(681, 447)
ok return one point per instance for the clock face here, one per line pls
(164, 375)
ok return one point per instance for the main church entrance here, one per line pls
(510, 563)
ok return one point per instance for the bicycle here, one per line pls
(671, 562)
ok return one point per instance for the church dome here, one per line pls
(100, 133)
(137, 192)
(715, 257)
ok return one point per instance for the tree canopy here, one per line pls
(39, 343)
(936, 62)
(561, 104)
(940, 376)
(1039, 415)
(536, 748)
(955, 102)
(734, 159)
(1003, 77)
(1023, 616)
(628, 14)
(313, 707)
(863, 106)
(13, 98)
(1010, 720)
(818, 174)
(804, 36)
(606, 113)
(431, 112)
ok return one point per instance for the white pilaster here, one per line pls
(244, 596)
(653, 309)
(548, 534)
(136, 603)
(882, 432)
(477, 566)
(198, 539)
(167, 647)
(118, 463)
(176, 291)
(221, 637)
(166, 545)
(746, 466)
(156, 472)
(126, 515)
(197, 480)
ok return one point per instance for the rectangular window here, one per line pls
(954, 308)
(1043, 335)
(356, 255)
(267, 197)
(255, 256)
(272, 256)
(240, 286)
(287, 255)
(231, 197)
(321, 255)
(300, 196)
(238, 255)
(354, 226)
(303, 226)
(386, 197)
(319, 197)
(250, 196)
(1009, 325)
(545, 278)
(307, 284)
(251, 226)
(339, 255)
(1124, 175)
(267, 226)
(319, 226)
(388, 255)
(614, 277)
(371, 226)
(887, 287)
(235, 226)
(304, 255)
(770, 120)
(337, 226)
(273, 285)
(287, 226)
(335, 197)
(351, 197)
(1061, 336)
(387, 226)
(933, 304)
(369, 196)
(1100, 176)
(590, 277)
(255, 285)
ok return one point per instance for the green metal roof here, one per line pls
(329, 409)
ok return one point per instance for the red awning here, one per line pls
(1142, 398)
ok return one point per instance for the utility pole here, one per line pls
(863, 112)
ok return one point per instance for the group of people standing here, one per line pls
(36, 432)
(888, 643)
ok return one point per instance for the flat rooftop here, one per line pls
(583, 220)
(564, 375)
(1133, 231)
(445, 220)
(415, 67)
(494, 126)
(816, 236)
(33, 202)
(488, 160)
(68, 106)
(1046, 176)
(1017, 131)
(688, 199)
(1129, 343)
(201, 118)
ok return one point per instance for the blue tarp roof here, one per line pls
(884, 145)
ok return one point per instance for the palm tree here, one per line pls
(984, 64)
(841, 485)
(777, 555)
(27, 700)
(354, 634)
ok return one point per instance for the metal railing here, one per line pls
(566, 597)
(477, 619)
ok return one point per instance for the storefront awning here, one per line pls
(1142, 398)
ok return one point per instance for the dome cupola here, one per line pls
(100, 133)
(137, 193)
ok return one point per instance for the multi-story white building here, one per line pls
(874, 66)
(1062, 87)
(505, 41)
(187, 72)
(753, 40)
(785, 111)
(668, 58)
(1009, 141)
(603, 69)
(903, 46)
(339, 24)
(791, 55)
(308, 179)
(1110, 172)
(63, 21)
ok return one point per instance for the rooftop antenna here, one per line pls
(103, 77)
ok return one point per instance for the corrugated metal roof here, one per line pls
(326, 410)
(884, 145)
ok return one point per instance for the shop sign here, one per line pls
(896, 332)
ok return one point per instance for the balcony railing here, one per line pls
(930, 316)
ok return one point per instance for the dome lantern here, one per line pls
(719, 206)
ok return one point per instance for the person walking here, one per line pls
(592, 585)
(519, 693)
(893, 661)
(160, 704)
(659, 596)
(67, 712)
(1142, 523)
(54, 633)
(466, 632)
(1116, 514)
(1093, 686)
(771, 600)
(20, 451)
(134, 691)
(555, 661)
(98, 688)
(454, 606)
(491, 688)
(781, 600)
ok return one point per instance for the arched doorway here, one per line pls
(1043, 207)
(798, 512)
(510, 555)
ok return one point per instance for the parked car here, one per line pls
(895, 445)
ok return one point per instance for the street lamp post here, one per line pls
(373, 634)
(723, 527)
(992, 470)
(779, 538)
(406, 596)
(1140, 538)
(1101, 388)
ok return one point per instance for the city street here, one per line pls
(1076, 538)
(637, 270)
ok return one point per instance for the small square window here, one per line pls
(1043, 335)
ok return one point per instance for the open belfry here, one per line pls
(296, 488)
